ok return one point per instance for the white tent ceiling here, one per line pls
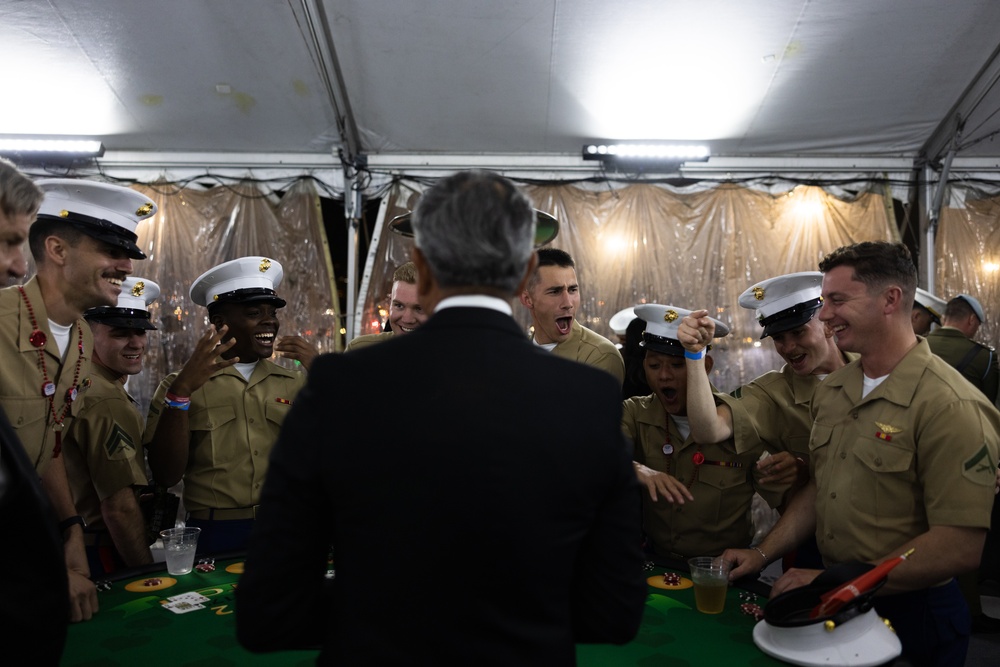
(826, 85)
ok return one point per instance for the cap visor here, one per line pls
(787, 323)
(124, 322)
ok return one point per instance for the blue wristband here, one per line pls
(694, 355)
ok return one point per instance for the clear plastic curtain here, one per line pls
(648, 243)
(967, 258)
(195, 229)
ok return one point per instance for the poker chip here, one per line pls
(103, 585)
(672, 579)
(747, 596)
(648, 566)
(205, 567)
(152, 582)
(751, 609)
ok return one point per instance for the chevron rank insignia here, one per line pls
(119, 443)
(980, 467)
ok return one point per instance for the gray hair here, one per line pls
(18, 194)
(476, 229)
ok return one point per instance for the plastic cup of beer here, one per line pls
(179, 546)
(711, 580)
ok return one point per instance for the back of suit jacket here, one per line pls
(481, 505)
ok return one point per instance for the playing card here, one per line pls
(192, 597)
(183, 607)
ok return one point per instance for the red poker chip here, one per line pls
(205, 567)
(672, 579)
(152, 582)
(751, 609)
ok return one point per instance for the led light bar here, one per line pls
(646, 152)
(52, 146)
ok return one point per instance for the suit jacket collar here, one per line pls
(469, 317)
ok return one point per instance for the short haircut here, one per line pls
(958, 309)
(45, 227)
(877, 264)
(555, 257)
(550, 257)
(406, 273)
(18, 194)
(475, 229)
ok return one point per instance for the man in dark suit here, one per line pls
(500, 526)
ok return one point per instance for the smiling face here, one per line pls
(405, 313)
(119, 349)
(850, 311)
(93, 272)
(553, 301)
(254, 325)
(808, 349)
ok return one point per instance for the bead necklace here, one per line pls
(38, 340)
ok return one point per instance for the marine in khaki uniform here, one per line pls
(553, 297)
(34, 606)
(778, 401)
(215, 421)
(27, 337)
(903, 457)
(699, 494)
(405, 311)
(83, 243)
(954, 343)
(103, 445)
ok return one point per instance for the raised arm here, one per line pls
(709, 422)
(167, 449)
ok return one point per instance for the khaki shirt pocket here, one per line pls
(276, 412)
(209, 429)
(883, 478)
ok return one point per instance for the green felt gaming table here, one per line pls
(133, 628)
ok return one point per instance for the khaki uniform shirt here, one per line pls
(981, 369)
(102, 446)
(31, 412)
(234, 424)
(778, 404)
(368, 339)
(719, 517)
(920, 450)
(592, 349)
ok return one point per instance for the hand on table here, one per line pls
(82, 597)
(794, 578)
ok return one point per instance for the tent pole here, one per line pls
(935, 214)
(352, 208)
